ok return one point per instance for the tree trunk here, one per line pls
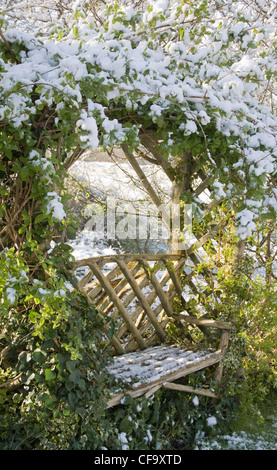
(181, 185)
(176, 228)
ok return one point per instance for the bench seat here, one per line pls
(144, 372)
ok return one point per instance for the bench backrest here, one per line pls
(137, 292)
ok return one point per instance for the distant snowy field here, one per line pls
(117, 181)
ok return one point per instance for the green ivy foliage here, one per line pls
(78, 88)
(239, 292)
(169, 420)
(52, 379)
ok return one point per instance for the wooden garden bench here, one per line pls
(137, 292)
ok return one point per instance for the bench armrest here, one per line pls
(203, 321)
(224, 326)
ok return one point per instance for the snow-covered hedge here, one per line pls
(202, 77)
(198, 76)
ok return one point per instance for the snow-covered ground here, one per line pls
(264, 440)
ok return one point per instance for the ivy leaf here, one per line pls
(75, 377)
(49, 374)
(50, 403)
(39, 356)
(125, 425)
(71, 365)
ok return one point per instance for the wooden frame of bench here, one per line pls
(167, 381)
(113, 292)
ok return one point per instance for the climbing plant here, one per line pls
(189, 85)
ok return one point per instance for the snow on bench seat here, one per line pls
(141, 371)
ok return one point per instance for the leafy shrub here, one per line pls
(241, 294)
(52, 375)
(52, 360)
(167, 420)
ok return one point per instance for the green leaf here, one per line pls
(33, 316)
(25, 172)
(125, 425)
(49, 374)
(72, 399)
(71, 365)
(75, 377)
(39, 356)
(50, 403)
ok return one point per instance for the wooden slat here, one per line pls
(175, 279)
(204, 322)
(187, 388)
(134, 315)
(152, 340)
(84, 281)
(118, 303)
(150, 299)
(141, 297)
(202, 186)
(224, 341)
(126, 257)
(95, 291)
(95, 287)
(157, 286)
(152, 390)
(186, 370)
(182, 372)
(115, 342)
(117, 399)
(142, 282)
(122, 288)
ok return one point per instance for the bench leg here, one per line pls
(218, 373)
(224, 341)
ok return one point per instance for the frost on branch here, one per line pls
(54, 206)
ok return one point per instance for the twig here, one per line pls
(12, 383)
(8, 46)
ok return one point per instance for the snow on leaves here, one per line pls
(200, 74)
